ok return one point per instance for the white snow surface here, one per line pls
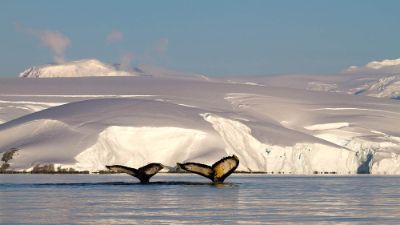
(379, 79)
(79, 68)
(87, 123)
(327, 126)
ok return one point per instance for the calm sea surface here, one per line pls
(190, 199)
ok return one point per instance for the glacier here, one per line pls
(275, 127)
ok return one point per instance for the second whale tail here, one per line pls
(143, 173)
(218, 172)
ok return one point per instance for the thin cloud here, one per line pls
(114, 37)
(56, 41)
(126, 61)
(157, 50)
(161, 46)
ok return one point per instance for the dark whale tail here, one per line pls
(218, 172)
(143, 173)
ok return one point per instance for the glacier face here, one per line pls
(87, 123)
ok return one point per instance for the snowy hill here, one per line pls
(87, 123)
(380, 86)
(80, 68)
(379, 79)
(158, 72)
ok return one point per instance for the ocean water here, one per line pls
(191, 199)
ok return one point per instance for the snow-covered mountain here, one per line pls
(87, 123)
(385, 87)
(376, 79)
(79, 68)
(380, 86)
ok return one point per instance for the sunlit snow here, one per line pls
(89, 122)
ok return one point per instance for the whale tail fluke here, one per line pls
(218, 172)
(143, 173)
(123, 169)
(225, 167)
(198, 168)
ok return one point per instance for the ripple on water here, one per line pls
(188, 199)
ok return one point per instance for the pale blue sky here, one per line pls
(212, 37)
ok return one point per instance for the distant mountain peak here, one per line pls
(78, 68)
(384, 87)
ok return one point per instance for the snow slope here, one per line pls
(376, 79)
(374, 85)
(87, 123)
(80, 68)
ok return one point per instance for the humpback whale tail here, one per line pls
(218, 172)
(143, 173)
